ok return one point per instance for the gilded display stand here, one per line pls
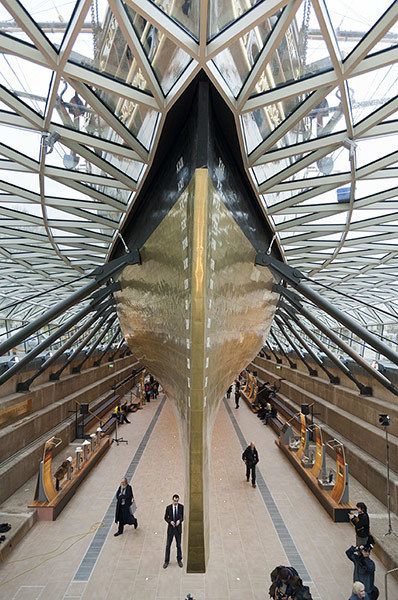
(249, 389)
(49, 502)
(334, 497)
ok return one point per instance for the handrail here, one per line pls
(385, 580)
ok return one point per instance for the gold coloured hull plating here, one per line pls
(196, 312)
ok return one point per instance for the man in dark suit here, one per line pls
(174, 517)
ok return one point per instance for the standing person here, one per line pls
(360, 520)
(147, 389)
(237, 396)
(174, 517)
(250, 457)
(364, 569)
(123, 515)
(229, 390)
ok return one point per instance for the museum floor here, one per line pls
(252, 530)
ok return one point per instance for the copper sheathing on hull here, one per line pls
(196, 312)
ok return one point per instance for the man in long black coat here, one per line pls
(123, 516)
(250, 457)
(174, 517)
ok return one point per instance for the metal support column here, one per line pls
(100, 275)
(332, 378)
(278, 360)
(43, 346)
(114, 337)
(323, 348)
(311, 371)
(365, 390)
(99, 311)
(109, 324)
(294, 277)
(117, 349)
(292, 364)
(56, 374)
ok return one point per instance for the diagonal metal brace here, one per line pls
(293, 277)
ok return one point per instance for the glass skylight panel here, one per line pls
(168, 61)
(224, 12)
(302, 53)
(103, 48)
(352, 19)
(368, 92)
(27, 81)
(185, 13)
(261, 122)
(236, 62)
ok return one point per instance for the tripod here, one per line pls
(117, 439)
(390, 530)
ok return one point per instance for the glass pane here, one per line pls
(104, 49)
(28, 81)
(370, 91)
(352, 20)
(167, 60)
(224, 12)
(185, 13)
(258, 124)
(300, 54)
(236, 61)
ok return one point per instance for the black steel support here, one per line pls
(43, 346)
(100, 275)
(108, 324)
(25, 385)
(332, 378)
(278, 360)
(294, 277)
(323, 348)
(267, 356)
(292, 364)
(114, 337)
(104, 315)
(365, 390)
(117, 349)
(311, 371)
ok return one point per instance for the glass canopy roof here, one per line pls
(84, 90)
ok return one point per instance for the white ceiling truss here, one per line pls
(313, 87)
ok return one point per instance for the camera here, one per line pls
(384, 420)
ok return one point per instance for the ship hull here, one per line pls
(195, 312)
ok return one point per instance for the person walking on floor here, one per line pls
(174, 517)
(124, 515)
(229, 390)
(250, 457)
(237, 396)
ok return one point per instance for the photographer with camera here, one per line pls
(287, 585)
(364, 568)
(360, 520)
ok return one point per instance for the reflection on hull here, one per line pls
(196, 312)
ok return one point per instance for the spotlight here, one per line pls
(384, 420)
